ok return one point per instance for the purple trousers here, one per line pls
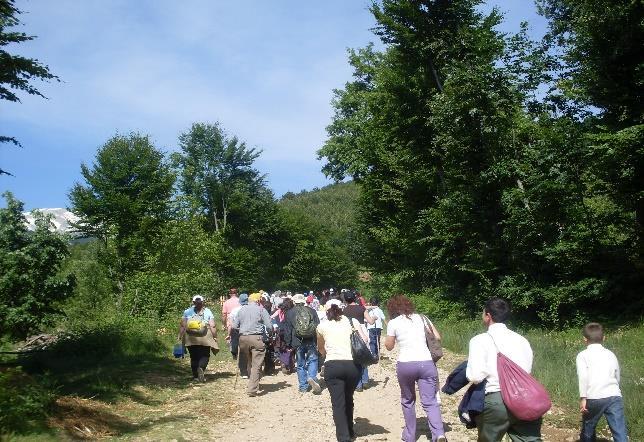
(425, 373)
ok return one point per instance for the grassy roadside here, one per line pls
(554, 366)
(114, 380)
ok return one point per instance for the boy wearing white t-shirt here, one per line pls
(599, 393)
(375, 329)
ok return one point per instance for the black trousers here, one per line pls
(199, 357)
(341, 378)
(242, 360)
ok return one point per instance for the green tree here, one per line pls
(472, 183)
(218, 178)
(124, 200)
(30, 285)
(215, 171)
(16, 72)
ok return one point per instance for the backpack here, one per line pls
(522, 394)
(196, 325)
(304, 322)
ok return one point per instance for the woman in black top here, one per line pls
(359, 313)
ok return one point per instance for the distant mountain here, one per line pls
(59, 217)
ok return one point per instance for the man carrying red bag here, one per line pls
(496, 420)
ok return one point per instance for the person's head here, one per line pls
(374, 301)
(400, 305)
(350, 297)
(496, 310)
(299, 299)
(593, 333)
(243, 299)
(255, 297)
(198, 301)
(333, 313)
(286, 304)
(232, 293)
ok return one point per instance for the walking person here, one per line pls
(301, 323)
(250, 321)
(284, 352)
(233, 338)
(414, 366)
(198, 333)
(375, 329)
(599, 393)
(341, 374)
(495, 420)
(359, 313)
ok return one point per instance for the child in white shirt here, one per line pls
(599, 393)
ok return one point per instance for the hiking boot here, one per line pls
(315, 385)
(201, 375)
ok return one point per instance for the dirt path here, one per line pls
(284, 414)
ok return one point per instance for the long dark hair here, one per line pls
(334, 313)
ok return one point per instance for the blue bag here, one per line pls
(178, 351)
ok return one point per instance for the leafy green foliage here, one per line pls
(124, 201)
(472, 185)
(30, 287)
(24, 401)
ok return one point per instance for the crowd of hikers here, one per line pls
(319, 334)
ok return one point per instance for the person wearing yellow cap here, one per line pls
(251, 321)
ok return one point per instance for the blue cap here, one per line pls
(243, 299)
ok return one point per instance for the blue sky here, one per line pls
(264, 70)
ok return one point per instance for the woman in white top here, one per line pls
(415, 365)
(341, 374)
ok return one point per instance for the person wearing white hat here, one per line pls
(199, 334)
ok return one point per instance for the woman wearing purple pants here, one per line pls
(414, 365)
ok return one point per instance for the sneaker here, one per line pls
(441, 438)
(315, 385)
(244, 376)
(201, 374)
(255, 393)
(195, 379)
(359, 388)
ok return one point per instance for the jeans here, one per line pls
(341, 378)
(374, 340)
(199, 357)
(425, 373)
(364, 376)
(496, 420)
(611, 407)
(307, 364)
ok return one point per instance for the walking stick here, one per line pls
(237, 376)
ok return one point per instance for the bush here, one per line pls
(23, 400)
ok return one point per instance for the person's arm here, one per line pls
(236, 322)
(390, 342)
(321, 348)
(213, 327)
(476, 370)
(224, 314)
(182, 328)
(582, 376)
(266, 320)
(368, 318)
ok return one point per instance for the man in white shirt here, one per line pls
(496, 420)
(599, 393)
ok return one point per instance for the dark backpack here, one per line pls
(304, 322)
